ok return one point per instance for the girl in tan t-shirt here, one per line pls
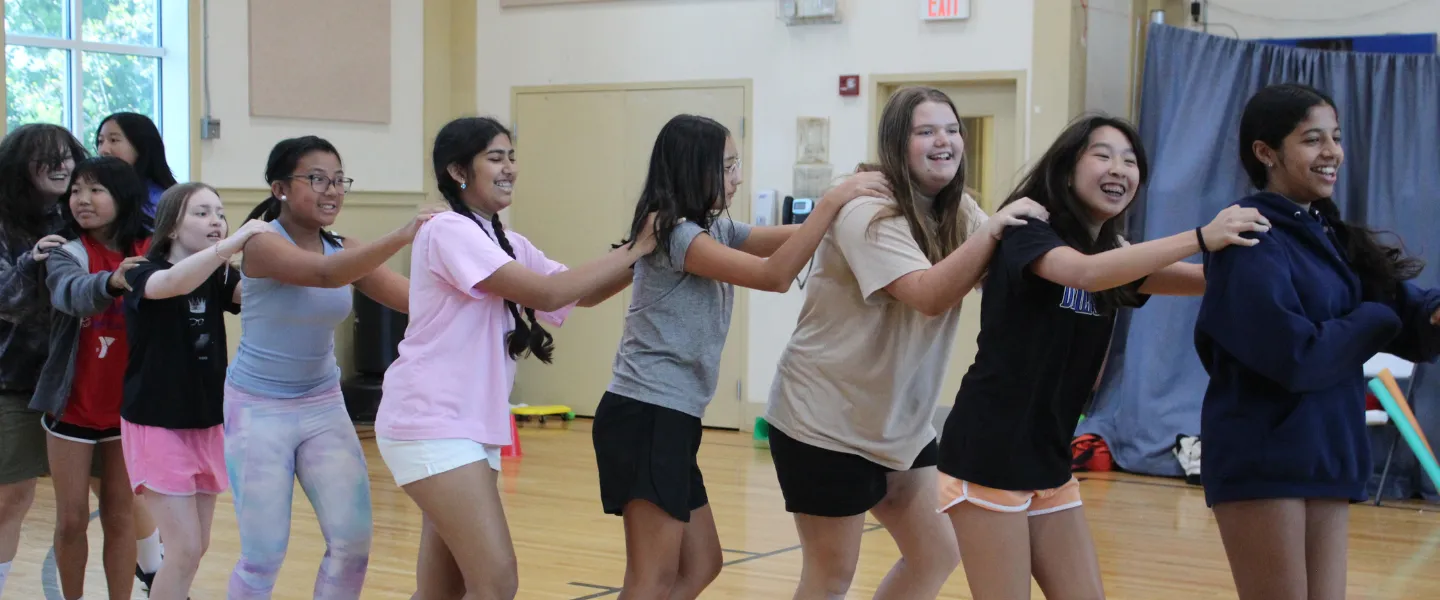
(869, 353)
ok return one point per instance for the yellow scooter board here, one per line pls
(525, 413)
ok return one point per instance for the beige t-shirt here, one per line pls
(862, 372)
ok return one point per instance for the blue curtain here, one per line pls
(1195, 88)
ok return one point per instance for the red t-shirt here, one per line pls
(101, 356)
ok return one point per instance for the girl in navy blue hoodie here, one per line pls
(1284, 330)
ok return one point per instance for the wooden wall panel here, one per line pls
(321, 59)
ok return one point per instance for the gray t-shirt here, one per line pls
(676, 325)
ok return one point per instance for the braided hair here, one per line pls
(458, 143)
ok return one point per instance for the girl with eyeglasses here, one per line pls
(284, 415)
(648, 424)
(35, 165)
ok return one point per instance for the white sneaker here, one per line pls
(1187, 451)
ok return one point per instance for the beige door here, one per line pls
(583, 159)
(566, 201)
(988, 109)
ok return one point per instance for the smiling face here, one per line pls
(52, 180)
(936, 147)
(304, 203)
(490, 179)
(202, 222)
(1306, 167)
(92, 206)
(1106, 176)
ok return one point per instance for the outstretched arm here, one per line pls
(619, 282)
(1114, 268)
(764, 241)
(271, 256)
(390, 289)
(1179, 279)
(938, 289)
(75, 291)
(466, 258)
(708, 258)
(184, 276)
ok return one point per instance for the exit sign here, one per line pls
(940, 10)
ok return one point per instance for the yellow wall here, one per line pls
(449, 91)
(368, 215)
(1057, 70)
(1056, 90)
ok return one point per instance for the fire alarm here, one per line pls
(849, 85)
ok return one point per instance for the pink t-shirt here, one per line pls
(452, 378)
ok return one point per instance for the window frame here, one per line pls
(78, 46)
(172, 93)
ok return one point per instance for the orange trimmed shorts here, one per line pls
(1034, 503)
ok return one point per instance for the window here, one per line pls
(72, 62)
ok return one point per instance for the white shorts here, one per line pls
(413, 460)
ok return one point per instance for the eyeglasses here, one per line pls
(321, 183)
(733, 168)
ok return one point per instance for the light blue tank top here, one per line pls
(287, 335)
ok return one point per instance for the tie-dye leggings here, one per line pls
(268, 443)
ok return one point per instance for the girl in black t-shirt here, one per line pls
(1051, 294)
(171, 419)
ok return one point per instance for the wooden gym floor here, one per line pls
(1155, 537)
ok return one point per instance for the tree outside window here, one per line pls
(72, 62)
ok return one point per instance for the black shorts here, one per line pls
(825, 483)
(76, 433)
(647, 452)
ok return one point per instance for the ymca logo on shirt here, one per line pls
(105, 327)
(1079, 301)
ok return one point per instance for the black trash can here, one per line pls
(378, 331)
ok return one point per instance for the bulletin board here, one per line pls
(321, 59)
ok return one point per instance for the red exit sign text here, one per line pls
(937, 10)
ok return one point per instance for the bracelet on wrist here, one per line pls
(1200, 237)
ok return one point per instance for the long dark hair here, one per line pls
(458, 143)
(1270, 116)
(685, 180)
(168, 214)
(940, 230)
(284, 158)
(126, 189)
(1048, 183)
(24, 214)
(149, 147)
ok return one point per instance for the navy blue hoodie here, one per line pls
(1284, 332)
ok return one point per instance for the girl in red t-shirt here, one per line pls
(80, 387)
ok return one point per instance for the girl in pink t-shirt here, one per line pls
(445, 413)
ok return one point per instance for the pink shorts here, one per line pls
(175, 462)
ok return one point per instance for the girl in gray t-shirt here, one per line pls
(647, 427)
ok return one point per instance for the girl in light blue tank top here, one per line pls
(284, 414)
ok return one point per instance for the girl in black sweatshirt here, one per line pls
(1284, 330)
